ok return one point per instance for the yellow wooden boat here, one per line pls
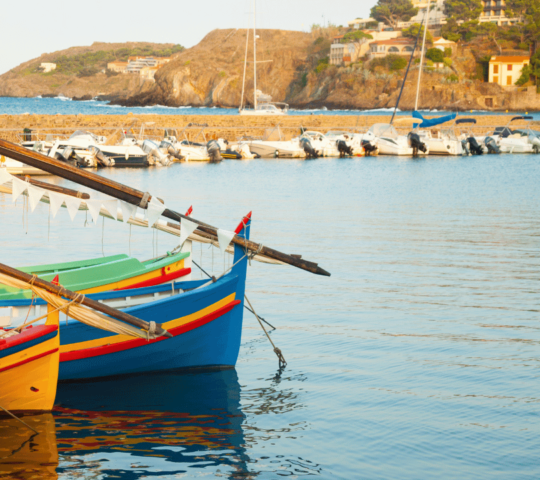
(29, 362)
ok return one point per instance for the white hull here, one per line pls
(276, 149)
(440, 146)
(17, 168)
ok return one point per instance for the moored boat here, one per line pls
(115, 272)
(205, 323)
(29, 366)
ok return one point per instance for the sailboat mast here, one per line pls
(254, 55)
(245, 67)
(422, 56)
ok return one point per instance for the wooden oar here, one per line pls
(138, 198)
(62, 292)
(53, 188)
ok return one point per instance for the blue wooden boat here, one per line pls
(205, 321)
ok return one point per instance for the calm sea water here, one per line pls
(417, 358)
(65, 106)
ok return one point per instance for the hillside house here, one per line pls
(441, 43)
(47, 67)
(345, 53)
(118, 67)
(396, 46)
(495, 11)
(505, 71)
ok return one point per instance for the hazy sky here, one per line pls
(34, 27)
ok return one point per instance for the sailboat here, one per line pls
(440, 145)
(262, 104)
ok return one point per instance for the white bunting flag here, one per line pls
(72, 204)
(225, 237)
(187, 227)
(154, 211)
(18, 187)
(34, 195)
(56, 200)
(128, 210)
(94, 207)
(5, 176)
(112, 207)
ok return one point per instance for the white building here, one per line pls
(505, 71)
(47, 67)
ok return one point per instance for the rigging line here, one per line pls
(422, 56)
(17, 418)
(277, 351)
(407, 71)
(247, 308)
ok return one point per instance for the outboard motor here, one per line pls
(308, 148)
(153, 150)
(465, 147)
(491, 145)
(369, 148)
(474, 146)
(343, 148)
(171, 150)
(416, 144)
(535, 142)
(214, 152)
(100, 158)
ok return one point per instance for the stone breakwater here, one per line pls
(216, 126)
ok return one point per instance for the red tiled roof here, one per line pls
(511, 59)
(394, 41)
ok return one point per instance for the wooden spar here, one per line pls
(54, 188)
(135, 197)
(100, 307)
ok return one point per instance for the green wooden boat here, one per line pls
(116, 272)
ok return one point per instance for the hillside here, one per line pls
(296, 71)
(293, 68)
(80, 72)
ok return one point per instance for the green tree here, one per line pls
(462, 21)
(393, 11)
(529, 13)
(352, 37)
(463, 10)
(435, 55)
(526, 73)
(412, 32)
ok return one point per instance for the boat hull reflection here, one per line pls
(169, 422)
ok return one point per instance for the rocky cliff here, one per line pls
(292, 67)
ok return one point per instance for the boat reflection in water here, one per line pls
(169, 423)
(25, 455)
(159, 425)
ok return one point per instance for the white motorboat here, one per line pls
(513, 141)
(273, 145)
(389, 141)
(442, 144)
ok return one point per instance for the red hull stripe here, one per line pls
(139, 342)
(28, 360)
(159, 280)
(27, 335)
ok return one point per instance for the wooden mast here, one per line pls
(62, 292)
(135, 197)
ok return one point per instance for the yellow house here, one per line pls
(506, 71)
